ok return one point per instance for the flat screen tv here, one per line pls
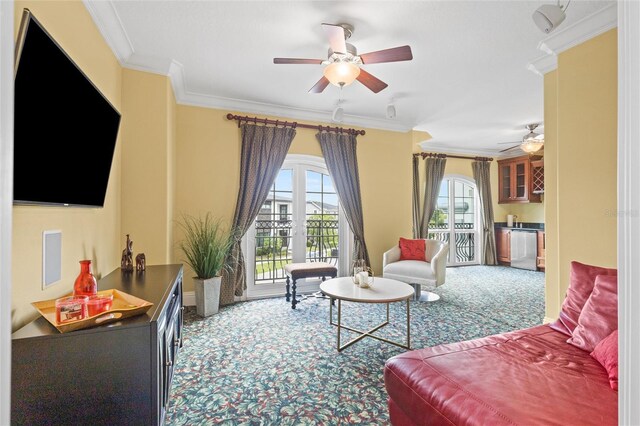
(65, 129)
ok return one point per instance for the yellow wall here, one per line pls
(208, 163)
(148, 129)
(584, 155)
(86, 233)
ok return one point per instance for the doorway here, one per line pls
(456, 220)
(301, 221)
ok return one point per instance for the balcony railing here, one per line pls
(273, 246)
(322, 241)
(465, 242)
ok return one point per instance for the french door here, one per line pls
(456, 220)
(300, 221)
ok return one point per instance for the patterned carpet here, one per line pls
(262, 363)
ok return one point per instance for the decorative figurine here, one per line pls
(127, 256)
(141, 262)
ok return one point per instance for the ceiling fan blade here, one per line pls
(510, 148)
(320, 85)
(373, 83)
(335, 33)
(395, 54)
(296, 61)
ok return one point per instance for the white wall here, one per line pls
(6, 197)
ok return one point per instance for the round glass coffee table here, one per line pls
(383, 290)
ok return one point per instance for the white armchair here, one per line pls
(417, 272)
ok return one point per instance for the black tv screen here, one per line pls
(65, 129)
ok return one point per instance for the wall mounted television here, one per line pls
(65, 130)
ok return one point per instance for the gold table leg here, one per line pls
(368, 333)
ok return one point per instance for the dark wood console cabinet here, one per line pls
(118, 373)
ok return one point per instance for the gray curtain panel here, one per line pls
(416, 197)
(481, 175)
(435, 173)
(263, 152)
(339, 151)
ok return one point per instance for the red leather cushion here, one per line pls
(599, 317)
(412, 249)
(526, 377)
(581, 283)
(606, 353)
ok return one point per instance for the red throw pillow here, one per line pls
(606, 353)
(412, 249)
(599, 317)
(582, 279)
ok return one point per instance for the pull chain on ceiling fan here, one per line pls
(343, 64)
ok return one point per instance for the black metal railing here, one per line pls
(465, 242)
(322, 241)
(272, 249)
(273, 245)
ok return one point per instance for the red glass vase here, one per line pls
(86, 284)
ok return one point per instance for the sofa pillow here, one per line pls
(606, 353)
(412, 249)
(581, 281)
(599, 317)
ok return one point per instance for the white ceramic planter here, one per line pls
(207, 295)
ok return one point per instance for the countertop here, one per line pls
(526, 226)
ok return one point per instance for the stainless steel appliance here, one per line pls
(523, 249)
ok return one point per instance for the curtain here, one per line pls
(263, 152)
(481, 176)
(416, 198)
(339, 151)
(435, 173)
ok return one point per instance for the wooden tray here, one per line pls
(124, 306)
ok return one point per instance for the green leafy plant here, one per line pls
(206, 245)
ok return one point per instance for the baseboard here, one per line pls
(189, 298)
(548, 320)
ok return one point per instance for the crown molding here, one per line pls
(108, 21)
(543, 64)
(590, 26)
(445, 149)
(260, 108)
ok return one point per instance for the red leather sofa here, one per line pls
(526, 377)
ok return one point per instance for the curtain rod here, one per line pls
(436, 155)
(294, 124)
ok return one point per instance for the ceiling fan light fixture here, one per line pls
(341, 73)
(533, 142)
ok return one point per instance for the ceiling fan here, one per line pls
(343, 64)
(531, 143)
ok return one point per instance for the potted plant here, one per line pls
(206, 246)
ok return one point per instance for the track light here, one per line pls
(391, 111)
(338, 114)
(549, 16)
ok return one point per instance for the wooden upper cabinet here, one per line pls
(515, 182)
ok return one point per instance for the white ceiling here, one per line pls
(468, 84)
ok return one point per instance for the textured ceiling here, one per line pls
(468, 85)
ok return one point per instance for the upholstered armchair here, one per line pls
(417, 272)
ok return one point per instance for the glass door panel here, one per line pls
(521, 189)
(273, 230)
